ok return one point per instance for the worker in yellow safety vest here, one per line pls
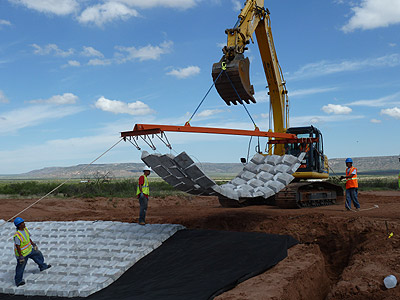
(142, 193)
(351, 185)
(25, 248)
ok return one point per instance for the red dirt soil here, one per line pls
(341, 255)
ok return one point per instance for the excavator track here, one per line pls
(243, 202)
(309, 194)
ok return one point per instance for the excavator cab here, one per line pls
(314, 165)
(232, 80)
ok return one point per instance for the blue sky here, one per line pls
(75, 73)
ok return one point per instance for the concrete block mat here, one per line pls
(161, 171)
(167, 161)
(262, 176)
(151, 160)
(183, 160)
(76, 271)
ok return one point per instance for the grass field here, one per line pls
(122, 188)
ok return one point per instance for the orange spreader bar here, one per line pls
(145, 129)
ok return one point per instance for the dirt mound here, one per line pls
(342, 255)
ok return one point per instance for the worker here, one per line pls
(351, 185)
(304, 147)
(142, 193)
(25, 248)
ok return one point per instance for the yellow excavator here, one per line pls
(232, 81)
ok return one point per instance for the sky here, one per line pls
(75, 73)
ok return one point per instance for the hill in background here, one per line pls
(378, 165)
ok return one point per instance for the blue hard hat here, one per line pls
(18, 221)
(349, 160)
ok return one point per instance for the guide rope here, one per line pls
(61, 184)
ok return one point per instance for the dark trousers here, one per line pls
(37, 257)
(143, 201)
(352, 196)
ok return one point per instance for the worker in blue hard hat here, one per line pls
(351, 185)
(25, 248)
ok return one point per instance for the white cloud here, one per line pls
(88, 12)
(3, 98)
(221, 45)
(73, 63)
(372, 14)
(66, 98)
(99, 62)
(392, 44)
(91, 52)
(107, 12)
(376, 121)
(52, 49)
(326, 67)
(145, 53)
(119, 107)
(4, 23)
(394, 98)
(391, 112)
(311, 120)
(263, 97)
(57, 7)
(60, 152)
(318, 119)
(181, 4)
(312, 91)
(209, 112)
(182, 73)
(237, 6)
(12, 121)
(336, 109)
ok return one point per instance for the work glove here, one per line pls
(341, 177)
(21, 260)
(35, 248)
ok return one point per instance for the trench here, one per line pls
(336, 240)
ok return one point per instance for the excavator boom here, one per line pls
(231, 73)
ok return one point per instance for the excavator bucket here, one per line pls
(233, 84)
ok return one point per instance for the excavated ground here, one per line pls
(341, 255)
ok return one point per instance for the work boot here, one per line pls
(48, 267)
(21, 283)
(142, 223)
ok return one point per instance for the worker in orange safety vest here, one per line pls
(351, 185)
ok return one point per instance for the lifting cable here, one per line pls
(61, 184)
(241, 102)
(248, 113)
(201, 102)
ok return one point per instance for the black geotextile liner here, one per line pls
(195, 264)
